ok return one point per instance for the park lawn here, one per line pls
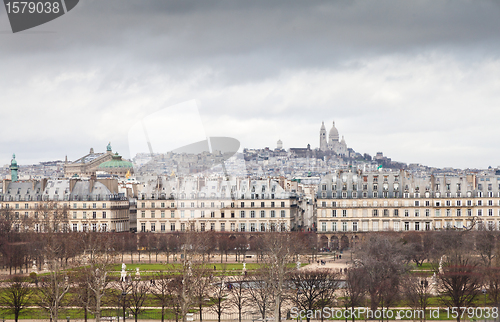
(177, 266)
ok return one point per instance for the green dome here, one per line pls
(116, 162)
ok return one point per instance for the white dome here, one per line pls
(334, 134)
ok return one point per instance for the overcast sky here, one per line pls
(417, 80)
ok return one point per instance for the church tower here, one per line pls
(323, 145)
(13, 169)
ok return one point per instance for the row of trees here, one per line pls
(462, 265)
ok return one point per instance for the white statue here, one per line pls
(123, 275)
(137, 274)
(298, 264)
(34, 268)
(244, 269)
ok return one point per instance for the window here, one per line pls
(427, 212)
(104, 205)
(242, 214)
(162, 214)
(222, 227)
(74, 214)
(242, 204)
(94, 205)
(183, 227)
(163, 205)
(417, 213)
(344, 226)
(94, 214)
(469, 212)
(344, 212)
(75, 227)
(273, 214)
(212, 226)
(172, 214)
(490, 212)
(407, 213)
(242, 227)
(143, 213)
(172, 205)
(334, 226)
(282, 204)
(162, 226)
(459, 212)
(153, 226)
(262, 214)
(143, 227)
(334, 213)
(417, 225)
(480, 212)
(143, 205)
(375, 212)
(355, 226)
(262, 227)
(172, 227)
(153, 215)
(212, 214)
(84, 215)
(396, 212)
(182, 214)
(252, 214)
(417, 203)
(252, 227)
(272, 203)
(323, 226)
(192, 213)
(202, 214)
(202, 226)
(407, 225)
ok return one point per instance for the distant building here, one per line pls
(88, 165)
(77, 205)
(333, 144)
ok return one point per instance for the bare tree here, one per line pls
(54, 286)
(280, 249)
(220, 294)
(15, 296)
(201, 278)
(416, 291)
(315, 289)
(355, 288)
(162, 291)
(98, 260)
(260, 295)
(238, 296)
(381, 258)
(459, 281)
(486, 244)
(138, 293)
